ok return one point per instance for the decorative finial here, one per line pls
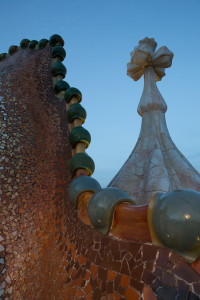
(155, 164)
(152, 65)
(143, 55)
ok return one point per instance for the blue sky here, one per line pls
(99, 36)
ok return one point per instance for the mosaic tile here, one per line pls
(46, 251)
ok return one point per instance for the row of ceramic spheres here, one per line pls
(33, 45)
(102, 202)
(79, 137)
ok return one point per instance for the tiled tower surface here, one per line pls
(155, 164)
(46, 251)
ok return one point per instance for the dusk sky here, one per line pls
(99, 36)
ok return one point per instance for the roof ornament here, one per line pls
(152, 65)
(155, 164)
(144, 55)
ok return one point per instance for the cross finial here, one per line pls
(144, 60)
(155, 164)
(143, 55)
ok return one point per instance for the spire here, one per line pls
(155, 164)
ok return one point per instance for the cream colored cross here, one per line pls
(143, 55)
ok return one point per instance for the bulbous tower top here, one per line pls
(155, 164)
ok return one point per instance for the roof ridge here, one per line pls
(54, 40)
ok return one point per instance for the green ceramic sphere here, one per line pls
(3, 56)
(24, 43)
(58, 51)
(81, 185)
(79, 134)
(101, 207)
(58, 69)
(12, 49)
(76, 111)
(60, 86)
(32, 44)
(55, 39)
(73, 92)
(81, 161)
(176, 219)
(42, 43)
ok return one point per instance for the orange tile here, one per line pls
(114, 297)
(74, 283)
(79, 281)
(88, 288)
(80, 292)
(87, 276)
(196, 265)
(89, 297)
(131, 294)
(111, 275)
(72, 291)
(73, 274)
(125, 281)
(82, 260)
(93, 270)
